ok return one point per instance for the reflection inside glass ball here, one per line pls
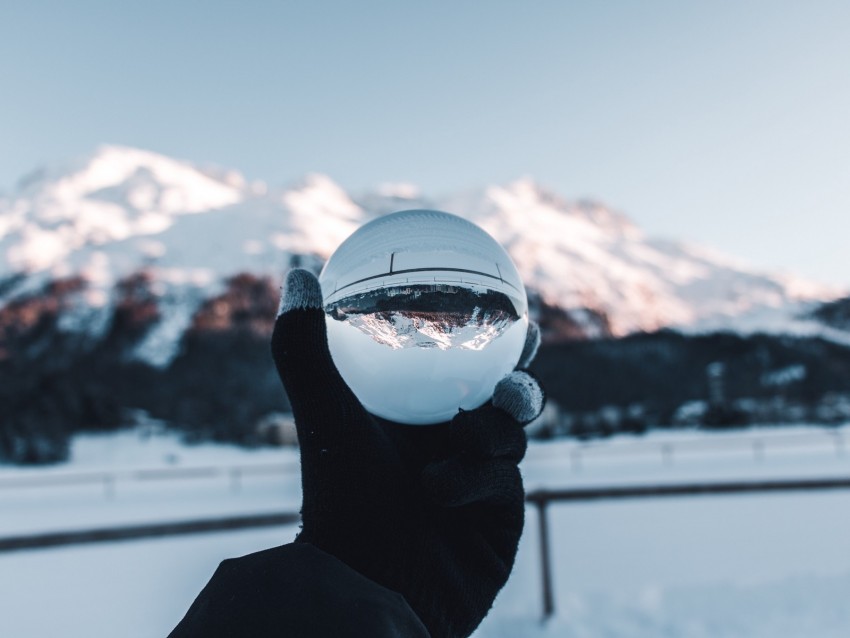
(425, 313)
(439, 316)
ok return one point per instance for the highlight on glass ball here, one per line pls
(425, 314)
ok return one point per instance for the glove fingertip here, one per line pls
(519, 394)
(301, 291)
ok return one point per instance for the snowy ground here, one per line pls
(709, 567)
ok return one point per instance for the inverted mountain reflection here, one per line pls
(442, 316)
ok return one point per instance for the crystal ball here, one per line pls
(425, 314)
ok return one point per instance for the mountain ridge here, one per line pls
(121, 211)
(135, 284)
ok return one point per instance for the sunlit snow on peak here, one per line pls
(319, 195)
(119, 210)
(320, 216)
(145, 180)
(111, 195)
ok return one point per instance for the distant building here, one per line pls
(278, 428)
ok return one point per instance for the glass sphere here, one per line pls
(425, 314)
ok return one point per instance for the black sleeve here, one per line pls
(300, 591)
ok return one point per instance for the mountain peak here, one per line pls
(320, 215)
(111, 194)
(527, 191)
(316, 182)
(111, 166)
(317, 194)
(124, 205)
(529, 198)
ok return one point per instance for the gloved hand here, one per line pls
(434, 513)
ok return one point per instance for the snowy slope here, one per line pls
(114, 194)
(710, 567)
(583, 255)
(121, 210)
(127, 209)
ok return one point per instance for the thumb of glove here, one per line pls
(519, 394)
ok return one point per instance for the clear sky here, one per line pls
(723, 122)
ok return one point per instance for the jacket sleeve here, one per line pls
(296, 590)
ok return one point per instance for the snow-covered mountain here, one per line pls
(123, 210)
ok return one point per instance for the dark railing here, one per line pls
(146, 530)
(107, 479)
(666, 451)
(540, 498)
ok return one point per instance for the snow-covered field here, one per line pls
(712, 567)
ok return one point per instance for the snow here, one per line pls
(784, 376)
(148, 181)
(131, 591)
(37, 249)
(707, 567)
(321, 216)
(115, 193)
(161, 344)
(142, 210)
(584, 255)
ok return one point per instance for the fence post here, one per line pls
(545, 557)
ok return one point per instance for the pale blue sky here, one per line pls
(722, 122)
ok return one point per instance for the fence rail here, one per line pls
(148, 530)
(755, 443)
(759, 445)
(107, 479)
(541, 499)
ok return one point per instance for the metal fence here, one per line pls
(666, 452)
(541, 499)
(759, 446)
(147, 530)
(107, 480)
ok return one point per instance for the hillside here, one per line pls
(130, 280)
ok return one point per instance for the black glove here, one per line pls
(434, 513)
